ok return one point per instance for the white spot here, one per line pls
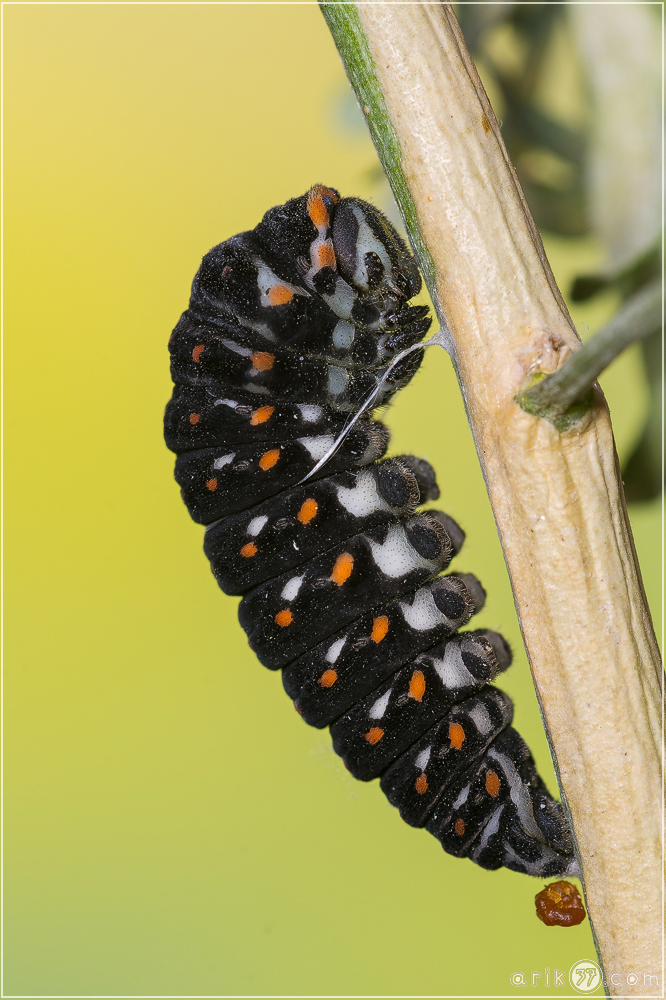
(381, 341)
(451, 670)
(379, 707)
(337, 380)
(220, 463)
(317, 446)
(237, 348)
(491, 827)
(311, 414)
(267, 279)
(291, 588)
(423, 614)
(375, 449)
(363, 498)
(255, 525)
(343, 335)
(260, 390)
(462, 798)
(226, 402)
(342, 300)
(367, 241)
(421, 761)
(569, 866)
(395, 557)
(519, 794)
(335, 650)
(481, 719)
(261, 328)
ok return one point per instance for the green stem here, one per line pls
(351, 42)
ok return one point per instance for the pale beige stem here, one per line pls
(557, 497)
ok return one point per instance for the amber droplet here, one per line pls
(559, 905)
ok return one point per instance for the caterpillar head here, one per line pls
(371, 255)
(358, 262)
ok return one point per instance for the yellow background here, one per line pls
(172, 826)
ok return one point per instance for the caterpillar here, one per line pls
(290, 326)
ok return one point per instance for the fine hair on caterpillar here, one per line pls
(295, 332)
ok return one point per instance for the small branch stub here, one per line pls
(564, 396)
(557, 497)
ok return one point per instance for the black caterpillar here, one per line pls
(290, 326)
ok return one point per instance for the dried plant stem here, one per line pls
(557, 497)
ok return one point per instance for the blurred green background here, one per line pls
(172, 827)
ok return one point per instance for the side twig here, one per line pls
(553, 396)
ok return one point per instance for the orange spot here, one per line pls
(486, 124)
(380, 627)
(459, 827)
(342, 569)
(328, 192)
(421, 784)
(316, 206)
(194, 418)
(269, 459)
(308, 511)
(279, 295)
(456, 735)
(196, 353)
(262, 360)
(249, 550)
(328, 678)
(211, 485)
(261, 415)
(417, 685)
(326, 256)
(492, 784)
(374, 735)
(317, 210)
(284, 618)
